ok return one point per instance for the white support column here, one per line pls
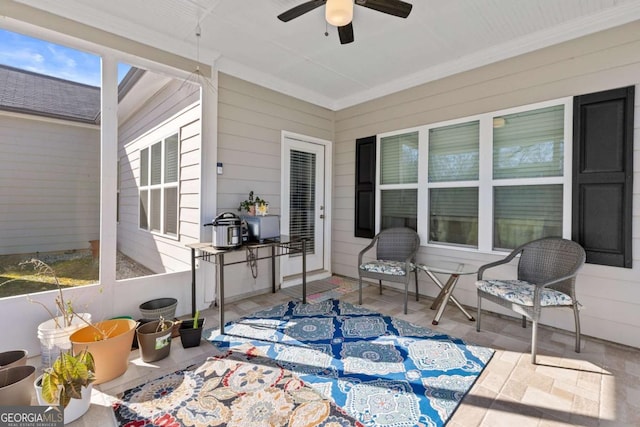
(108, 174)
(206, 277)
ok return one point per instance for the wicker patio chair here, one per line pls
(546, 277)
(396, 250)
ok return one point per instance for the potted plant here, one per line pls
(154, 339)
(254, 204)
(68, 382)
(64, 320)
(191, 331)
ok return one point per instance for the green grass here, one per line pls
(24, 280)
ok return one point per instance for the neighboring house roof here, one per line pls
(32, 93)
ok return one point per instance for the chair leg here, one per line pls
(417, 293)
(406, 296)
(534, 340)
(360, 291)
(380, 281)
(478, 316)
(576, 315)
(524, 322)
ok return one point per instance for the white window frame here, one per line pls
(162, 187)
(485, 182)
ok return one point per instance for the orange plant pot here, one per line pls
(111, 355)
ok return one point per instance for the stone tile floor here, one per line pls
(598, 387)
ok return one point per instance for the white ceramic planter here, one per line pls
(76, 407)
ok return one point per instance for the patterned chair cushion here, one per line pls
(521, 292)
(394, 268)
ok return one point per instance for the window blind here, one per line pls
(453, 215)
(155, 210)
(453, 152)
(156, 163)
(302, 199)
(171, 162)
(399, 159)
(529, 144)
(399, 208)
(171, 211)
(526, 212)
(144, 167)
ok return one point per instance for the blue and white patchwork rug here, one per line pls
(381, 370)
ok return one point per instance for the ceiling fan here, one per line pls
(339, 13)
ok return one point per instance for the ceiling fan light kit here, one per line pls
(339, 12)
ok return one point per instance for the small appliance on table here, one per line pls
(226, 231)
(262, 227)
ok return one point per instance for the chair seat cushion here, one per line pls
(521, 292)
(394, 268)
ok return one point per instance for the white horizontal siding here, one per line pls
(49, 185)
(606, 60)
(169, 111)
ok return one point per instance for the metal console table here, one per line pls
(278, 247)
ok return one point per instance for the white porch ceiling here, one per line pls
(439, 38)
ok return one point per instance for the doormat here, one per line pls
(380, 370)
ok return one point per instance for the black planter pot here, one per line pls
(190, 336)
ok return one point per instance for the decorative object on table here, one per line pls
(154, 339)
(159, 307)
(16, 384)
(396, 250)
(547, 270)
(64, 320)
(377, 368)
(254, 204)
(13, 358)
(240, 389)
(109, 342)
(191, 331)
(68, 382)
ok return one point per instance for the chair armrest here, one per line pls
(368, 247)
(505, 260)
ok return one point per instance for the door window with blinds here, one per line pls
(398, 184)
(487, 182)
(302, 199)
(159, 177)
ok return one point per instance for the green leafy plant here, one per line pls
(195, 319)
(66, 378)
(250, 202)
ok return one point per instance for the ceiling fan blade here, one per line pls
(392, 7)
(346, 33)
(301, 9)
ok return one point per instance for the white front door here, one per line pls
(304, 208)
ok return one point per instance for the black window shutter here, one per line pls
(365, 200)
(603, 175)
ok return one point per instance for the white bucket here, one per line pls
(54, 340)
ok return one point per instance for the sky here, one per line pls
(27, 53)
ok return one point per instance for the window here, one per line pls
(159, 175)
(453, 183)
(488, 182)
(398, 181)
